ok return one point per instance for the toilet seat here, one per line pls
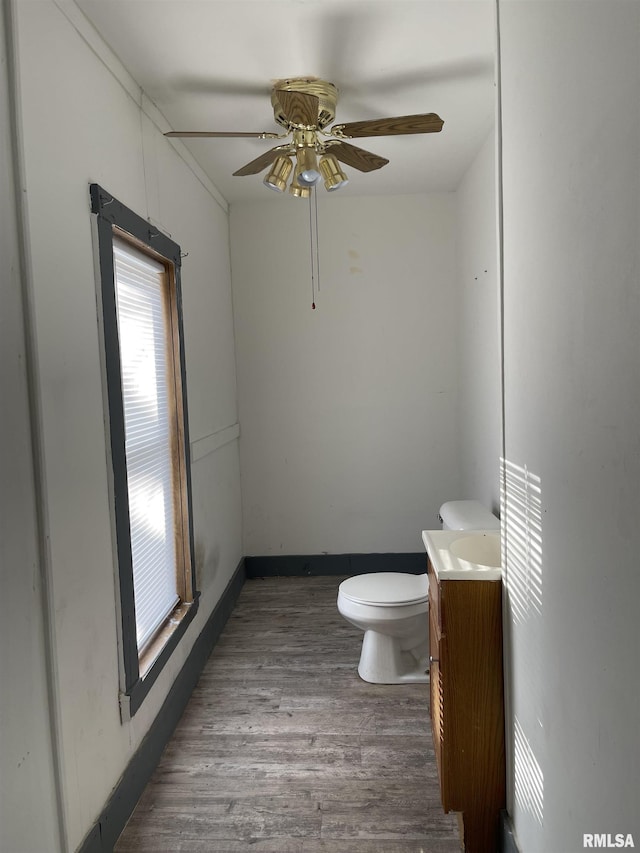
(383, 589)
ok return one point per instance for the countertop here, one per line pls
(446, 565)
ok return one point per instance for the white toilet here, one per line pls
(392, 608)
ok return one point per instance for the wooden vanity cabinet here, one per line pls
(467, 704)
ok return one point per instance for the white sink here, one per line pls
(482, 550)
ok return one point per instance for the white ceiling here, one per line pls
(209, 65)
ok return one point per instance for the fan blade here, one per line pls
(360, 159)
(221, 134)
(262, 161)
(299, 107)
(427, 123)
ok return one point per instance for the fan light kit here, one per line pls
(304, 106)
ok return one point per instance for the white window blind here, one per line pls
(144, 352)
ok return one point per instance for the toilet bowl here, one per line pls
(392, 608)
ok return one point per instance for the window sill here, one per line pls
(157, 654)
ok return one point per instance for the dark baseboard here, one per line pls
(507, 837)
(334, 564)
(107, 829)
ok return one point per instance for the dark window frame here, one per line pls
(114, 218)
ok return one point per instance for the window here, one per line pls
(146, 393)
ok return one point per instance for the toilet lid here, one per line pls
(386, 588)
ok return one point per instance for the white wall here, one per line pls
(571, 137)
(27, 778)
(479, 403)
(348, 412)
(85, 120)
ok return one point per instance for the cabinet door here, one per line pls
(436, 700)
(473, 715)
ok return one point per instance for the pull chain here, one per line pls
(313, 283)
(315, 204)
(313, 242)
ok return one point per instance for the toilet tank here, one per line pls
(467, 515)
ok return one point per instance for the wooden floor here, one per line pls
(283, 749)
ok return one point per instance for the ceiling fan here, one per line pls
(304, 107)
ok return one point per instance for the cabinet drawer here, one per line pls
(434, 593)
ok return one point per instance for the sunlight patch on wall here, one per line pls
(521, 513)
(522, 560)
(529, 779)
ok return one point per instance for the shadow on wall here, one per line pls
(207, 564)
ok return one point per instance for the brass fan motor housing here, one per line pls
(326, 93)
